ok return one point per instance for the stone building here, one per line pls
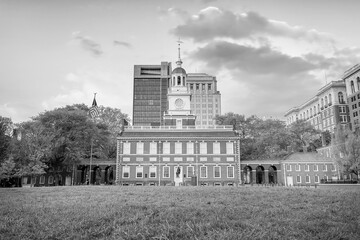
(351, 78)
(325, 110)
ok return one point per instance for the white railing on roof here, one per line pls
(218, 127)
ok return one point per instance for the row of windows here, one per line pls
(178, 148)
(198, 86)
(312, 111)
(308, 179)
(307, 167)
(180, 159)
(190, 172)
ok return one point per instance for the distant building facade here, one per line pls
(205, 98)
(351, 78)
(325, 110)
(150, 93)
(301, 169)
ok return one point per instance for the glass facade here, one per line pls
(150, 93)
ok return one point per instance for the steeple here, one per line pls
(179, 62)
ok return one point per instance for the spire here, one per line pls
(179, 62)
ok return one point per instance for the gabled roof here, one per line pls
(306, 157)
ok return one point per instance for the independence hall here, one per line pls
(168, 147)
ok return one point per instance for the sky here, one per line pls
(267, 55)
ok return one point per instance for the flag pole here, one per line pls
(91, 143)
(91, 150)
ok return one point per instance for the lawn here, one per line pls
(113, 212)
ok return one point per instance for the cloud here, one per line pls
(88, 44)
(258, 61)
(121, 43)
(212, 22)
(173, 12)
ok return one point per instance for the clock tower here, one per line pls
(179, 111)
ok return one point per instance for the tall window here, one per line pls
(341, 97)
(126, 149)
(152, 172)
(326, 101)
(153, 148)
(298, 179)
(166, 148)
(50, 180)
(203, 148)
(42, 179)
(140, 148)
(216, 147)
(307, 179)
(322, 103)
(126, 171)
(358, 83)
(317, 179)
(330, 99)
(324, 168)
(230, 172)
(190, 148)
(352, 86)
(178, 147)
(229, 148)
(166, 172)
(217, 172)
(203, 172)
(190, 171)
(139, 171)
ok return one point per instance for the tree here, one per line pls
(259, 139)
(5, 138)
(346, 145)
(303, 133)
(113, 118)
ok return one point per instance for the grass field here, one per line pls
(112, 212)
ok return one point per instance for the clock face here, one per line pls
(179, 103)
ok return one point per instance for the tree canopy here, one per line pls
(269, 138)
(60, 137)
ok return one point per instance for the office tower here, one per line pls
(150, 93)
(205, 98)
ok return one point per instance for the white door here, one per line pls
(289, 181)
(178, 175)
(179, 123)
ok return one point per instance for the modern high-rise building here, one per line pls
(352, 82)
(150, 93)
(325, 110)
(205, 98)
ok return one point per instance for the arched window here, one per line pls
(318, 108)
(307, 113)
(358, 83)
(352, 86)
(310, 112)
(314, 110)
(178, 80)
(341, 97)
(184, 81)
(326, 101)
(300, 115)
(330, 99)
(174, 80)
(322, 103)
